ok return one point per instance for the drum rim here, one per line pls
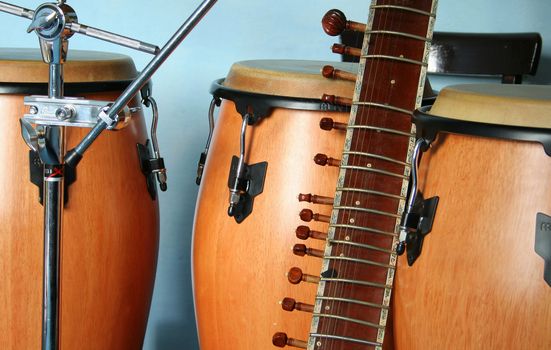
(70, 88)
(430, 125)
(262, 104)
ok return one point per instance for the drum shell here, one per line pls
(240, 269)
(478, 283)
(109, 241)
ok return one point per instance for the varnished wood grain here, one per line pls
(478, 283)
(239, 269)
(109, 241)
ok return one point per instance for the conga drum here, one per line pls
(239, 269)
(483, 277)
(110, 222)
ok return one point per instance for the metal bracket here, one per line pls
(36, 168)
(543, 243)
(417, 224)
(149, 165)
(69, 111)
(251, 186)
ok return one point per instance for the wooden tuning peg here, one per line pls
(281, 340)
(302, 250)
(334, 22)
(346, 50)
(330, 72)
(304, 232)
(336, 100)
(295, 276)
(312, 198)
(323, 159)
(328, 124)
(308, 215)
(289, 304)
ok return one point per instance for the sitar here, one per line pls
(352, 305)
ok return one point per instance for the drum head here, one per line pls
(26, 66)
(514, 105)
(293, 78)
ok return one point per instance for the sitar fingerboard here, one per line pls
(353, 299)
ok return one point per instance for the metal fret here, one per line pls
(406, 35)
(360, 261)
(376, 193)
(371, 155)
(348, 319)
(338, 337)
(365, 210)
(371, 170)
(353, 301)
(360, 245)
(361, 283)
(362, 228)
(394, 58)
(404, 8)
(390, 131)
(381, 105)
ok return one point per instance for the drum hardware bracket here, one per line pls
(70, 111)
(418, 217)
(152, 163)
(216, 101)
(247, 187)
(543, 243)
(245, 181)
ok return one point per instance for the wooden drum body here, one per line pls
(479, 282)
(240, 269)
(110, 223)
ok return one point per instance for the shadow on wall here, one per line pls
(543, 75)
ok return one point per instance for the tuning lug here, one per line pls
(312, 198)
(346, 50)
(281, 340)
(295, 276)
(302, 250)
(334, 22)
(323, 159)
(308, 215)
(304, 232)
(330, 72)
(328, 124)
(290, 304)
(336, 100)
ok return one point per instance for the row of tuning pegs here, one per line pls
(334, 22)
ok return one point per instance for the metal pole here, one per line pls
(53, 206)
(73, 156)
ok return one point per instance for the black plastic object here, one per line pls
(37, 176)
(147, 165)
(543, 243)
(252, 185)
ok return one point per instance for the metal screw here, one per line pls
(33, 110)
(65, 112)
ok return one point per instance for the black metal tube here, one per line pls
(74, 155)
(53, 196)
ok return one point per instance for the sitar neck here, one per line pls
(353, 298)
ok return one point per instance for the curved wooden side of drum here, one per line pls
(478, 283)
(109, 241)
(240, 269)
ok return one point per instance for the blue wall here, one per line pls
(235, 30)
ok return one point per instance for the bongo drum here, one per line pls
(479, 280)
(110, 222)
(239, 269)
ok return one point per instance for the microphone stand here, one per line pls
(55, 23)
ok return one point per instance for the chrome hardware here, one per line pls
(418, 216)
(203, 158)
(69, 111)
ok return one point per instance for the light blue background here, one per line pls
(235, 30)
